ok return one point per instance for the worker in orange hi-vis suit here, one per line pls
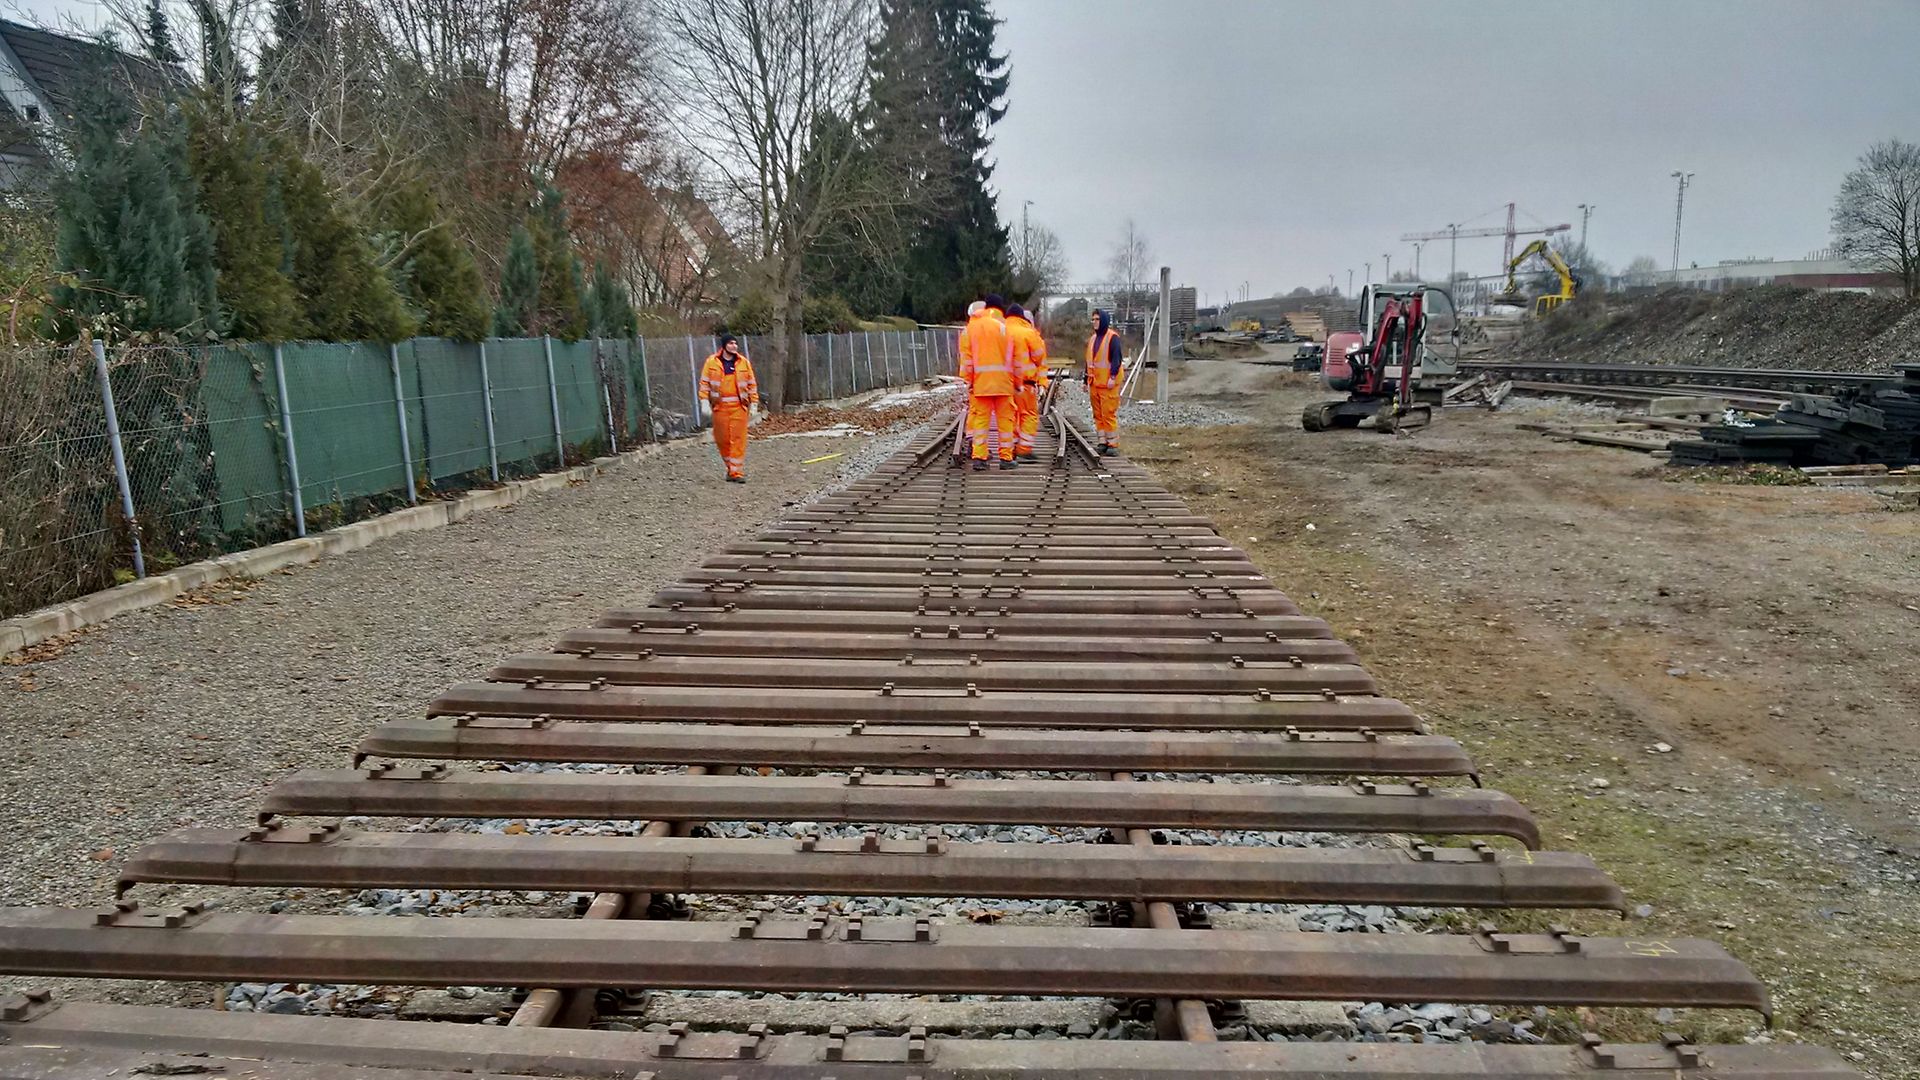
(1104, 356)
(986, 366)
(1030, 378)
(727, 383)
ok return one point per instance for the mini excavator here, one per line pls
(1379, 366)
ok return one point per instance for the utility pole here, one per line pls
(1386, 260)
(1679, 207)
(1332, 285)
(1165, 348)
(1416, 259)
(1349, 281)
(1586, 211)
(1453, 251)
(1369, 267)
(1026, 238)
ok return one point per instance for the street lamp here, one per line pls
(1386, 261)
(1586, 211)
(1349, 281)
(1416, 259)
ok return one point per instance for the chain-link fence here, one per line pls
(226, 447)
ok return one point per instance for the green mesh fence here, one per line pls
(205, 438)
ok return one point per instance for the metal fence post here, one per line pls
(553, 395)
(693, 373)
(286, 432)
(606, 397)
(119, 456)
(806, 371)
(400, 407)
(646, 389)
(486, 388)
(829, 396)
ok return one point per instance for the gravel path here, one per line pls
(183, 714)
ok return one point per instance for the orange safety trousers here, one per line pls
(1106, 412)
(730, 435)
(1026, 404)
(1001, 409)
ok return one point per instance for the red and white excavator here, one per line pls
(1380, 365)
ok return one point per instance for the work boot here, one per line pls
(1109, 450)
(1006, 463)
(736, 479)
(980, 464)
(1025, 455)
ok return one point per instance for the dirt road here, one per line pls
(1710, 688)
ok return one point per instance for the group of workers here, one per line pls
(1003, 361)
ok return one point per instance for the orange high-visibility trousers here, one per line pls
(1000, 407)
(1026, 404)
(1106, 412)
(730, 435)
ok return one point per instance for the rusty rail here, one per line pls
(1058, 654)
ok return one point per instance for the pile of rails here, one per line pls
(1854, 426)
(826, 697)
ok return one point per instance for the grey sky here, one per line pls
(1280, 141)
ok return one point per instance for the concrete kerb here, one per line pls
(34, 627)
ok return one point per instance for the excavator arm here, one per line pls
(1569, 281)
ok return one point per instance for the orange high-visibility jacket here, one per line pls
(720, 388)
(1099, 364)
(986, 355)
(1029, 352)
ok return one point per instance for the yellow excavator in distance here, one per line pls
(1569, 281)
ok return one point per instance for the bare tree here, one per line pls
(767, 92)
(1642, 271)
(1039, 263)
(1128, 265)
(1876, 215)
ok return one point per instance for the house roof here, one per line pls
(60, 66)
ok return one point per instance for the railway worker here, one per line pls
(1104, 356)
(726, 381)
(1030, 377)
(986, 366)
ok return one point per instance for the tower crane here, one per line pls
(1510, 232)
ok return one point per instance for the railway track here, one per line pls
(1690, 379)
(909, 666)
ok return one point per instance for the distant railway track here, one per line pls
(1768, 379)
(884, 659)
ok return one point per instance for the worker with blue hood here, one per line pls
(1105, 354)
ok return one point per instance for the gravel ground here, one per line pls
(183, 714)
(1174, 413)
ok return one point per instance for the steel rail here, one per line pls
(84, 1041)
(823, 643)
(755, 705)
(1337, 753)
(936, 799)
(872, 865)
(854, 955)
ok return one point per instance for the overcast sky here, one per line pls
(1279, 141)
(1275, 142)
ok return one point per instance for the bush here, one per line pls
(752, 315)
(828, 315)
(889, 322)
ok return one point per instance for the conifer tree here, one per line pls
(242, 198)
(438, 277)
(610, 306)
(561, 290)
(518, 310)
(160, 34)
(131, 237)
(343, 292)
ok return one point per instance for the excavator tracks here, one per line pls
(1056, 684)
